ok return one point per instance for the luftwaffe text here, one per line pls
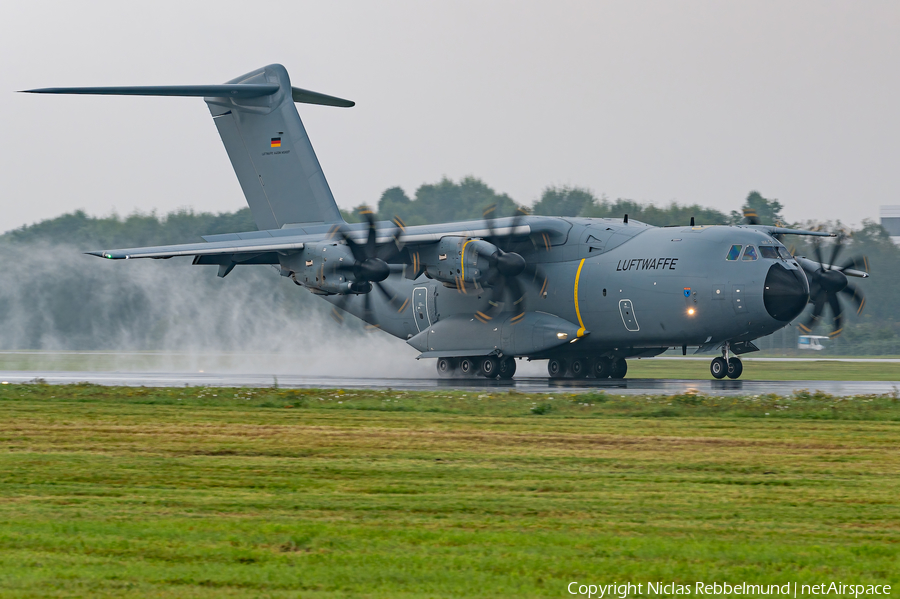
(647, 264)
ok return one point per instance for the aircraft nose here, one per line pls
(786, 293)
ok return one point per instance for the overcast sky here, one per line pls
(653, 101)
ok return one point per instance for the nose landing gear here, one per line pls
(731, 367)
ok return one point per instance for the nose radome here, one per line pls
(786, 293)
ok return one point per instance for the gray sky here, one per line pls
(652, 101)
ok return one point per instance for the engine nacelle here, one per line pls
(315, 267)
(455, 258)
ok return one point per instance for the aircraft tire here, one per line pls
(619, 368)
(507, 368)
(467, 367)
(579, 368)
(602, 368)
(557, 368)
(735, 368)
(488, 367)
(718, 368)
(447, 367)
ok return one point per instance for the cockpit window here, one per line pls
(784, 253)
(768, 251)
(734, 252)
(750, 253)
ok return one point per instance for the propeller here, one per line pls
(507, 270)
(827, 281)
(750, 216)
(369, 267)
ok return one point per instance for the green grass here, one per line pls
(116, 492)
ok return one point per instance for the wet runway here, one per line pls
(524, 384)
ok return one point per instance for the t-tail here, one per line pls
(265, 140)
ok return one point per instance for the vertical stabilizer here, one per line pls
(271, 152)
(265, 139)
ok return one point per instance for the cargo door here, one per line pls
(421, 308)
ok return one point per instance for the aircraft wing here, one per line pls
(219, 248)
(772, 230)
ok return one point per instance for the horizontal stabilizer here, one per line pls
(239, 90)
(228, 90)
(304, 96)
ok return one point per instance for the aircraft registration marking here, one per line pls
(581, 330)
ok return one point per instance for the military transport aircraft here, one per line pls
(584, 294)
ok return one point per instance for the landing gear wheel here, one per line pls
(602, 368)
(718, 368)
(579, 368)
(507, 368)
(467, 367)
(619, 368)
(735, 368)
(488, 367)
(446, 367)
(556, 368)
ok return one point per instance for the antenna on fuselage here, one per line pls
(626, 219)
(692, 221)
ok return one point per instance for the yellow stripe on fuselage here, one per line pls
(577, 311)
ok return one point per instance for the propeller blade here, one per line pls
(388, 294)
(856, 296)
(818, 251)
(856, 263)
(518, 299)
(818, 307)
(521, 212)
(367, 308)
(389, 253)
(370, 239)
(495, 304)
(837, 311)
(355, 249)
(488, 215)
(838, 245)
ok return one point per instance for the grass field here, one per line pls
(199, 492)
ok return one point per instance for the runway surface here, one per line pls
(525, 384)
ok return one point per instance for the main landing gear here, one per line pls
(489, 367)
(721, 367)
(579, 368)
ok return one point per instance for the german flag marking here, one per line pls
(276, 142)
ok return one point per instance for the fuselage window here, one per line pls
(750, 253)
(734, 252)
(784, 253)
(767, 251)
